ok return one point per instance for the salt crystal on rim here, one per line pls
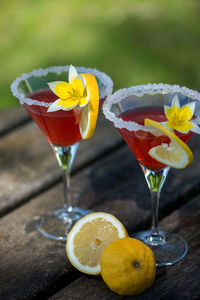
(139, 91)
(104, 79)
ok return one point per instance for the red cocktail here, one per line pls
(61, 128)
(60, 125)
(140, 142)
(156, 121)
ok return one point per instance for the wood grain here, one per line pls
(28, 165)
(180, 281)
(12, 118)
(106, 177)
(34, 266)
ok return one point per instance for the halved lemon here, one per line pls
(90, 111)
(177, 154)
(89, 237)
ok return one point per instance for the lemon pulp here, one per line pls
(89, 237)
(177, 154)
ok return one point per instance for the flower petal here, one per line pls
(77, 85)
(83, 81)
(63, 90)
(72, 73)
(175, 102)
(196, 128)
(178, 117)
(54, 106)
(185, 113)
(171, 113)
(190, 107)
(68, 104)
(83, 101)
(170, 125)
(165, 125)
(184, 127)
(53, 84)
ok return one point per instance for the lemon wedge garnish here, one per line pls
(176, 155)
(89, 237)
(90, 111)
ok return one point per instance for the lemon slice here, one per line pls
(89, 237)
(90, 111)
(177, 154)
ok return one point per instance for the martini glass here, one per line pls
(127, 109)
(61, 129)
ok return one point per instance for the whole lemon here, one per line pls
(128, 266)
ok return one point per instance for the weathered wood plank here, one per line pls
(33, 265)
(11, 118)
(28, 165)
(29, 266)
(179, 188)
(180, 281)
(23, 246)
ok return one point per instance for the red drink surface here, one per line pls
(140, 142)
(60, 127)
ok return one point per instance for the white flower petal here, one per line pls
(53, 84)
(196, 128)
(84, 87)
(69, 108)
(72, 73)
(191, 106)
(83, 81)
(175, 101)
(54, 106)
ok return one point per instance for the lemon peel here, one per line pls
(90, 111)
(89, 237)
(128, 266)
(177, 154)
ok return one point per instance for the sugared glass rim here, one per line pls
(104, 78)
(139, 91)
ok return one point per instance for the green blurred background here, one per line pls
(133, 41)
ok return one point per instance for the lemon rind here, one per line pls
(88, 133)
(76, 228)
(186, 152)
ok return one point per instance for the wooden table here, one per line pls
(105, 177)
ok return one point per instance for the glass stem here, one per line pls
(155, 197)
(155, 181)
(65, 157)
(67, 190)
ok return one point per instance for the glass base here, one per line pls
(168, 248)
(57, 224)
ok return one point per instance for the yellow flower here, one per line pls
(69, 94)
(179, 118)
